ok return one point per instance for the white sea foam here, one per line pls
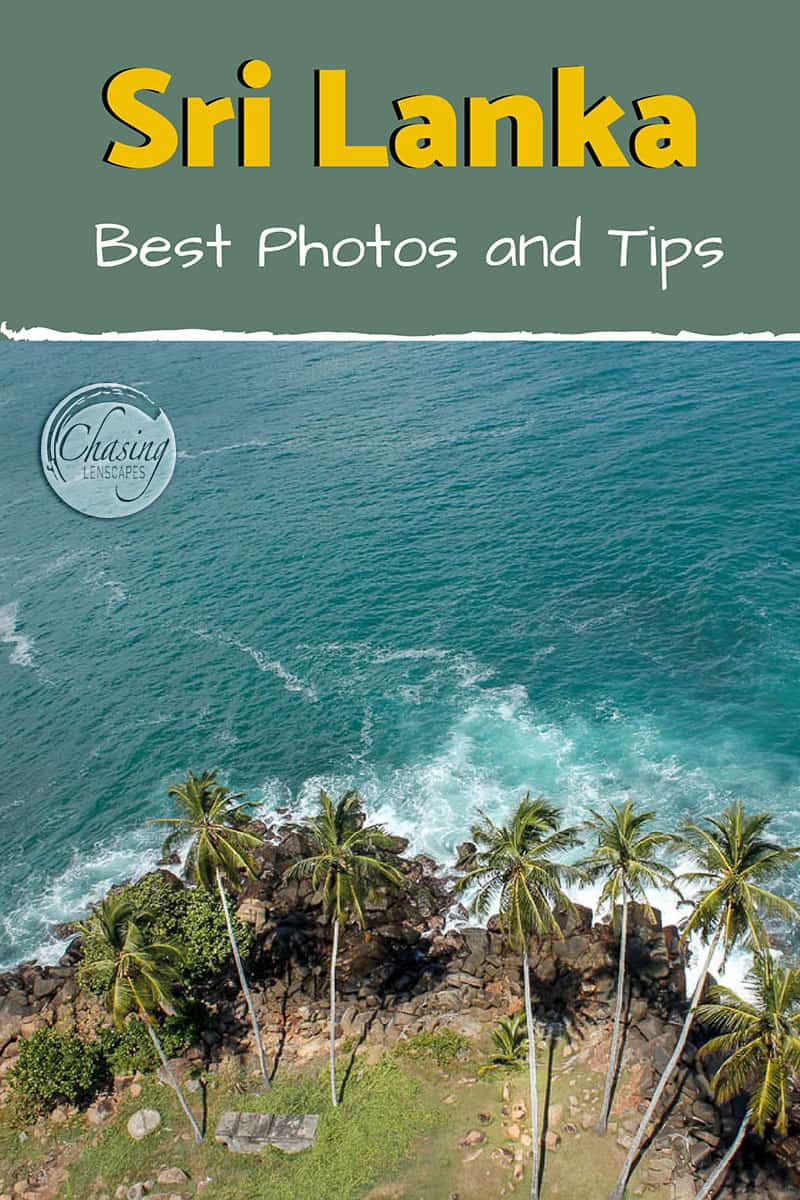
(254, 444)
(495, 746)
(100, 581)
(55, 566)
(271, 666)
(467, 668)
(69, 895)
(496, 749)
(22, 647)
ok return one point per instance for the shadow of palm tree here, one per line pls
(623, 1038)
(554, 1033)
(351, 1060)
(284, 1028)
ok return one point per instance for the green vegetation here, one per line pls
(626, 857)
(733, 861)
(130, 1049)
(346, 860)
(397, 1137)
(188, 917)
(149, 946)
(54, 1067)
(441, 1046)
(142, 976)
(219, 854)
(357, 1145)
(510, 1045)
(761, 1043)
(513, 865)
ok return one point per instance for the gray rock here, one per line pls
(99, 1112)
(650, 1027)
(705, 1113)
(44, 987)
(172, 1175)
(477, 944)
(463, 853)
(143, 1122)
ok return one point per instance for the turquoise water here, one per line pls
(445, 573)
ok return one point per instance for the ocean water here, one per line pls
(445, 573)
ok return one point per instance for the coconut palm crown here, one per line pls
(513, 870)
(760, 1041)
(216, 821)
(138, 976)
(733, 859)
(346, 859)
(627, 856)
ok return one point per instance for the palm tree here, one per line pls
(733, 859)
(761, 1041)
(513, 866)
(138, 976)
(346, 860)
(626, 857)
(219, 854)
(510, 1041)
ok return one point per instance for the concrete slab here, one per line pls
(249, 1133)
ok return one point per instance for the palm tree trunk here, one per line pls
(334, 955)
(237, 958)
(172, 1080)
(619, 1189)
(602, 1123)
(526, 979)
(717, 1175)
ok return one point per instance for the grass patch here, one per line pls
(397, 1135)
(383, 1113)
(442, 1046)
(14, 1152)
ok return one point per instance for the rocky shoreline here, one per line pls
(415, 971)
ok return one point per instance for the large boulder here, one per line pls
(476, 941)
(577, 919)
(172, 1175)
(572, 949)
(143, 1122)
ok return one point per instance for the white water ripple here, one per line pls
(271, 666)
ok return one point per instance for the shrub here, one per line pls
(130, 1049)
(442, 1046)
(190, 917)
(204, 936)
(55, 1067)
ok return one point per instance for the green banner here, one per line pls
(433, 168)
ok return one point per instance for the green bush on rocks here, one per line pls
(130, 1049)
(190, 917)
(55, 1067)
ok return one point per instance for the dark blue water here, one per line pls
(445, 573)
